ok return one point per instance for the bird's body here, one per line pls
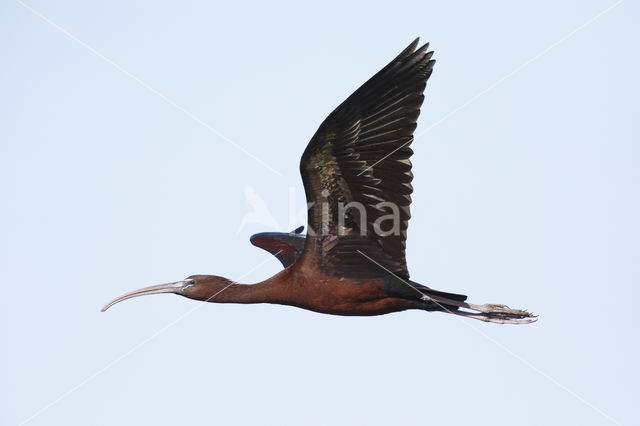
(357, 177)
(307, 289)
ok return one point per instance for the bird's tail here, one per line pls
(456, 304)
(444, 295)
(452, 303)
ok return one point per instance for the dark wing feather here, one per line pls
(342, 164)
(287, 247)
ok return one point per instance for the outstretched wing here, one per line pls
(286, 247)
(360, 155)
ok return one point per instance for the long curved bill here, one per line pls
(176, 288)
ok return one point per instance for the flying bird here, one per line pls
(356, 172)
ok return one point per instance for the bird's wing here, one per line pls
(360, 154)
(286, 247)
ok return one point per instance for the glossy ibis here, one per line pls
(357, 174)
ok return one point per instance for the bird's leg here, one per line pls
(490, 318)
(499, 314)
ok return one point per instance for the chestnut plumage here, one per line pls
(345, 265)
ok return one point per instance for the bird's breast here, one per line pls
(331, 295)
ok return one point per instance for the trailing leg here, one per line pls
(495, 313)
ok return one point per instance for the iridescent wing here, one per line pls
(285, 246)
(360, 154)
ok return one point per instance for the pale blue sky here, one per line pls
(526, 196)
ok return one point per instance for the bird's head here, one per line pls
(197, 287)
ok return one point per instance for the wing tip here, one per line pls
(408, 51)
(414, 47)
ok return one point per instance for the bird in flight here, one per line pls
(357, 177)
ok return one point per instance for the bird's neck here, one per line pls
(226, 291)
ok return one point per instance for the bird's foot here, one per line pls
(499, 319)
(500, 314)
(490, 312)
